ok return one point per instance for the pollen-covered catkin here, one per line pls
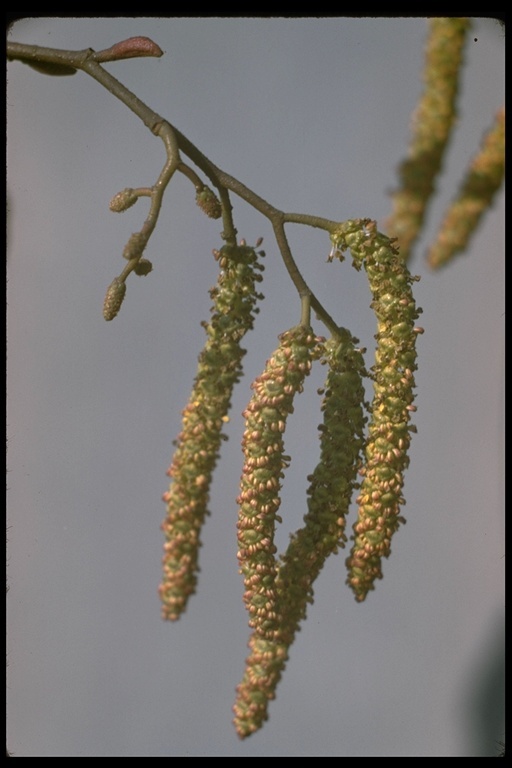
(197, 446)
(432, 124)
(264, 462)
(329, 495)
(480, 185)
(331, 484)
(389, 430)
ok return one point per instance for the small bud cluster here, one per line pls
(220, 367)
(208, 202)
(480, 185)
(263, 447)
(388, 439)
(113, 298)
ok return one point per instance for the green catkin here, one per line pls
(480, 185)
(389, 430)
(432, 124)
(198, 444)
(209, 203)
(329, 495)
(331, 484)
(264, 462)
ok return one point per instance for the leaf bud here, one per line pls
(144, 267)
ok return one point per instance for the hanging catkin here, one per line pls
(197, 446)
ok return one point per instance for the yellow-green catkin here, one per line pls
(264, 461)
(259, 500)
(198, 444)
(480, 185)
(263, 669)
(209, 203)
(432, 124)
(389, 430)
(331, 484)
(329, 495)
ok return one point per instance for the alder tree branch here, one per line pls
(64, 62)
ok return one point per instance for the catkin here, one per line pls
(209, 203)
(389, 430)
(480, 185)
(329, 494)
(197, 446)
(114, 298)
(264, 462)
(432, 124)
(331, 484)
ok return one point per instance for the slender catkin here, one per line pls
(389, 430)
(264, 462)
(197, 446)
(432, 124)
(329, 495)
(331, 484)
(479, 186)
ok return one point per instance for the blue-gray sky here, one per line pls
(313, 115)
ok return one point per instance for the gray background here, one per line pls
(312, 114)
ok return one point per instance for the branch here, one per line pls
(63, 62)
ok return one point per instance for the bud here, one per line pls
(144, 267)
(113, 298)
(134, 246)
(209, 203)
(123, 200)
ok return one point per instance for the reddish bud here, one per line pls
(128, 49)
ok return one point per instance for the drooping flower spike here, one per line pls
(264, 461)
(389, 431)
(477, 191)
(432, 125)
(329, 495)
(197, 446)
